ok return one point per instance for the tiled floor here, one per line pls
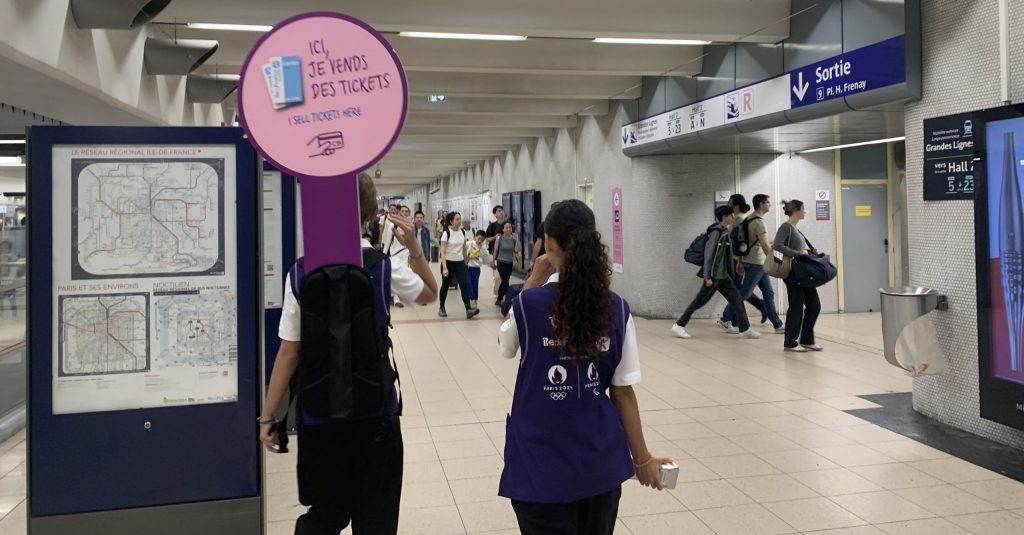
(761, 438)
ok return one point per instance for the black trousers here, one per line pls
(590, 516)
(350, 472)
(505, 272)
(731, 294)
(804, 308)
(456, 272)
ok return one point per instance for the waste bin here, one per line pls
(900, 307)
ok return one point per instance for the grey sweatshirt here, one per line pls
(789, 241)
(710, 248)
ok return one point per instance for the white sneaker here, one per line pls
(780, 330)
(727, 327)
(680, 332)
(812, 347)
(750, 333)
(797, 349)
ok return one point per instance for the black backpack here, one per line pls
(344, 367)
(739, 238)
(695, 252)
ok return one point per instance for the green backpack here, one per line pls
(720, 268)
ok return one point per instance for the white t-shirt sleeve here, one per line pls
(290, 328)
(628, 371)
(405, 283)
(508, 338)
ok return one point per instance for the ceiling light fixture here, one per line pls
(11, 161)
(12, 141)
(849, 145)
(436, 98)
(229, 27)
(630, 41)
(468, 36)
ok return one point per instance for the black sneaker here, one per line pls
(764, 318)
(471, 313)
(442, 313)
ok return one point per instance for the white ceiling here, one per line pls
(503, 94)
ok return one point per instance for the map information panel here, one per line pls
(144, 277)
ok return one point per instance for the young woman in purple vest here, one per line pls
(574, 433)
(350, 471)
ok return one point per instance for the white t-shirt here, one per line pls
(626, 374)
(456, 245)
(406, 285)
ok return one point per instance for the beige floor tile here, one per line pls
(463, 449)
(8, 503)
(453, 433)
(744, 520)
(433, 520)
(836, 482)
(797, 460)
(682, 523)
(280, 509)
(732, 428)
(999, 523)
(907, 450)
(416, 436)
(758, 411)
(665, 417)
(711, 414)
(284, 527)
(473, 490)
(420, 495)
(896, 476)
(488, 516)
(452, 418)
(418, 453)
(676, 432)
(929, 526)
(869, 434)
(955, 470)
(733, 466)
(834, 418)
(473, 467)
(804, 407)
(664, 448)
(710, 447)
(881, 507)
(847, 403)
(788, 422)
(13, 525)
(947, 500)
(1006, 493)
(853, 455)
(13, 486)
(639, 501)
(773, 488)
(692, 471)
(818, 438)
(814, 514)
(765, 442)
(425, 472)
(859, 530)
(709, 495)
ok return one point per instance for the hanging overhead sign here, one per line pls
(865, 69)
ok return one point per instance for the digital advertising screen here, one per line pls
(999, 228)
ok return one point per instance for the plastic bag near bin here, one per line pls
(908, 333)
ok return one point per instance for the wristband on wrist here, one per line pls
(645, 463)
(266, 421)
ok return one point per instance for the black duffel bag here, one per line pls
(811, 271)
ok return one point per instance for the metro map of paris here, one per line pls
(104, 334)
(147, 218)
(196, 329)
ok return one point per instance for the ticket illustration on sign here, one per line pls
(284, 80)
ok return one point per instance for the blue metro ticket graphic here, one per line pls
(865, 69)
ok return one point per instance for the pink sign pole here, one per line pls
(323, 97)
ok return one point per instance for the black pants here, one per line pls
(804, 308)
(350, 472)
(456, 272)
(505, 272)
(590, 516)
(728, 290)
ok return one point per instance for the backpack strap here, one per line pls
(373, 259)
(295, 275)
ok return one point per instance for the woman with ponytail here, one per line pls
(574, 434)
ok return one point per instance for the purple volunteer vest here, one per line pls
(381, 275)
(564, 441)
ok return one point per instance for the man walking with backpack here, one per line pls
(350, 441)
(751, 246)
(717, 270)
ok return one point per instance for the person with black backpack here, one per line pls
(335, 353)
(751, 246)
(454, 251)
(718, 270)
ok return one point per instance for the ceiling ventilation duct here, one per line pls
(209, 89)
(177, 56)
(115, 14)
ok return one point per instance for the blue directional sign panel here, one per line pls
(865, 69)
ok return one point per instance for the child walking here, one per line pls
(477, 257)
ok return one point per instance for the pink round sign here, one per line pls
(322, 95)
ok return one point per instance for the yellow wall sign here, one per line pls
(864, 210)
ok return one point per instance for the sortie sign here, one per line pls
(323, 96)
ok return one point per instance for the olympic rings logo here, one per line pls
(558, 396)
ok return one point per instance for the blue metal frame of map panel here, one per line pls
(107, 460)
(272, 317)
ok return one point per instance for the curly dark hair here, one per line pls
(583, 309)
